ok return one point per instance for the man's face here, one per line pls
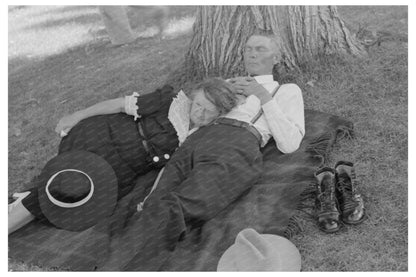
(260, 55)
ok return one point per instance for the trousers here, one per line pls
(212, 169)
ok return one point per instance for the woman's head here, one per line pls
(211, 98)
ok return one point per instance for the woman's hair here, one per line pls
(219, 92)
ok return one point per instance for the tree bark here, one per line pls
(220, 33)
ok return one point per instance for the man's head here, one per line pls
(211, 98)
(261, 53)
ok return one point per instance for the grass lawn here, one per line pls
(59, 63)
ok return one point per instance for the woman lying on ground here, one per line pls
(162, 121)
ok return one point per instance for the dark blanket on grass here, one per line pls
(269, 207)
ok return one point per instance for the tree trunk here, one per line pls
(220, 32)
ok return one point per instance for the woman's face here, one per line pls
(202, 111)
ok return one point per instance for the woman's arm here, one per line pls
(106, 107)
(136, 105)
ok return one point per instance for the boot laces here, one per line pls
(348, 191)
(327, 200)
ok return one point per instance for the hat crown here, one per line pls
(70, 186)
(83, 176)
(260, 252)
(254, 247)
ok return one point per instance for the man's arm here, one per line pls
(248, 86)
(284, 114)
(285, 118)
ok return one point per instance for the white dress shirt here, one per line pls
(283, 117)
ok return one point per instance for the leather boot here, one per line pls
(350, 201)
(326, 202)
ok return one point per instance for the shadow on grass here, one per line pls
(84, 19)
(50, 30)
(63, 9)
(12, 8)
(139, 16)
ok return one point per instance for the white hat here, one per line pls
(254, 252)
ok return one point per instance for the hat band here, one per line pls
(64, 204)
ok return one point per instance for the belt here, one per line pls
(144, 138)
(241, 124)
(148, 147)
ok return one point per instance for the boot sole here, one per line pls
(355, 222)
(330, 231)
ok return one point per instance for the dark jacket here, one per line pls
(160, 134)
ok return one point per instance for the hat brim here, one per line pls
(99, 206)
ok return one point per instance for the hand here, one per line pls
(241, 85)
(65, 124)
(249, 86)
(239, 79)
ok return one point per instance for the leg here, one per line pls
(162, 19)
(225, 164)
(117, 24)
(26, 209)
(18, 216)
(194, 188)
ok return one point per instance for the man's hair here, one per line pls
(219, 92)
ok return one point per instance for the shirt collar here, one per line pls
(264, 79)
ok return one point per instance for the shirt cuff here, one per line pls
(130, 105)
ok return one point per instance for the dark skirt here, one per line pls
(115, 138)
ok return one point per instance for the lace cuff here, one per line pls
(130, 105)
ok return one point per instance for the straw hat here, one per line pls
(76, 189)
